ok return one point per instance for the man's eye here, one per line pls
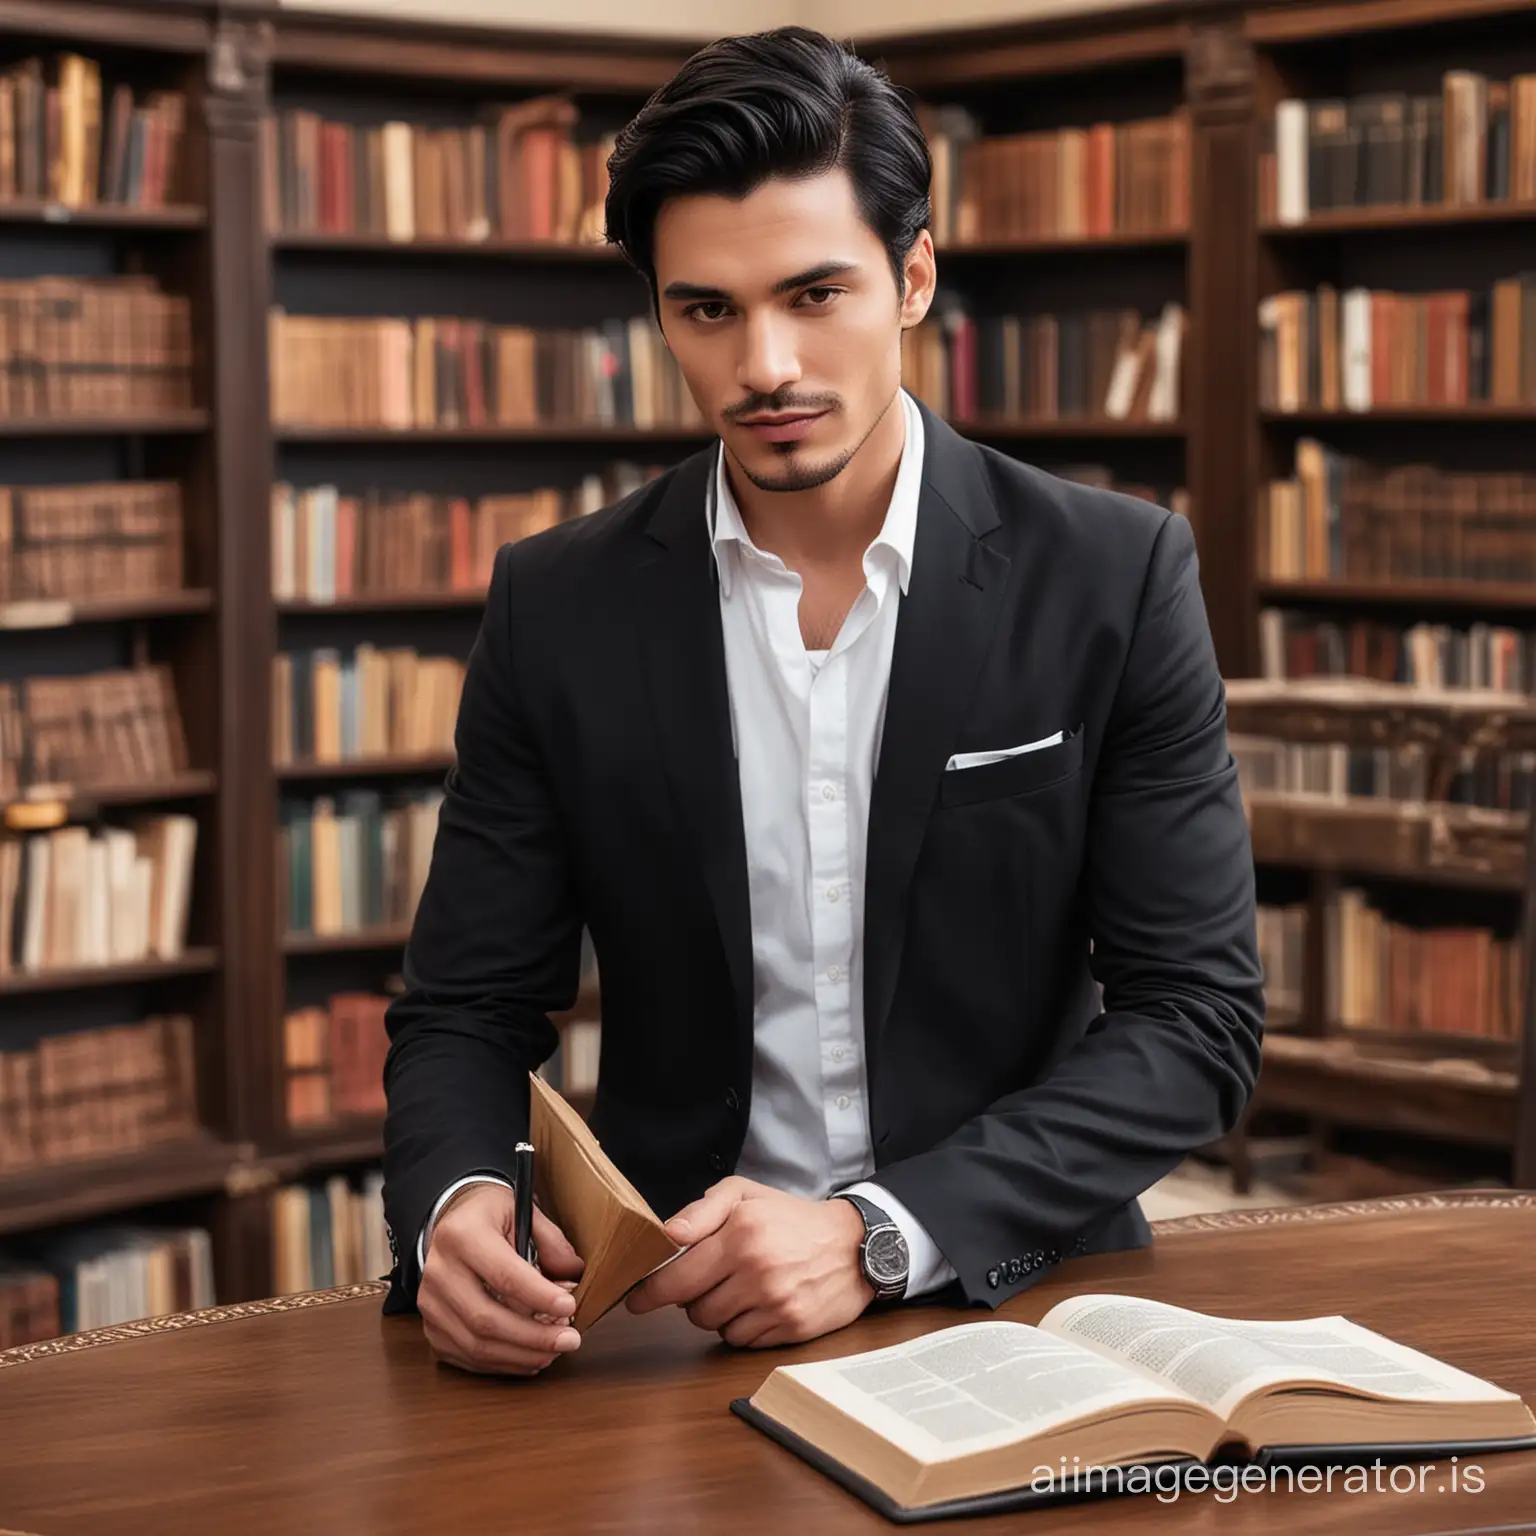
(697, 311)
(820, 296)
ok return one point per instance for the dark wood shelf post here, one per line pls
(1221, 361)
(235, 98)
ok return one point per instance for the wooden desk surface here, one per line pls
(318, 1414)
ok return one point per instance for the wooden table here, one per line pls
(315, 1413)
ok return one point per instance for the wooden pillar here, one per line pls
(1223, 360)
(234, 100)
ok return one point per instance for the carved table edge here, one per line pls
(1340, 1210)
(174, 1322)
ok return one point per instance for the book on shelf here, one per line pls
(449, 372)
(354, 861)
(29, 1305)
(583, 1191)
(1112, 364)
(1466, 145)
(1282, 936)
(329, 1233)
(528, 172)
(1340, 518)
(93, 346)
(79, 897)
(93, 1092)
(64, 141)
(1103, 478)
(1478, 655)
(572, 1070)
(1118, 1394)
(59, 735)
(74, 543)
(1073, 183)
(331, 707)
(327, 546)
(333, 1058)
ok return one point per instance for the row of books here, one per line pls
(1102, 477)
(1473, 142)
(1494, 779)
(112, 539)
(1381, 973)
(1114, 364)
(520, 174)
(333, 1059)
(1282, 936)
(98, 1277)
(1127, 178)
(96, 1092)
(354, 861)
(329, 1233)
(330, 707)
(79, 896)
(96, 346)
(328, 546)
(1363, 348)
(1339, 517)
(88, 730)
(450, 372)
(58, 145)
(1294, 644)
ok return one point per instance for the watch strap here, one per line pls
(874, 1219)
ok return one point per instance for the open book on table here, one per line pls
(582, 1190)
(1107, 1389)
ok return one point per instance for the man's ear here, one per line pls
(921, 272)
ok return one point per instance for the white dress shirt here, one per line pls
(807, 728)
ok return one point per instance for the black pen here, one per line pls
(522, 1189)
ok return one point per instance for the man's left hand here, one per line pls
(762, 1267)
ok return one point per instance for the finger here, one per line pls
(716, 1308)
(490, 1320)
(455, 1347)
(683, 1280)
(756, 1329)
(493, 1261)
(557, 1258)
(707, 1214)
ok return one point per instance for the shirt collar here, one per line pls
(898, 533)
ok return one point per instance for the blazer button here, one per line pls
(716, 1161)
(732, 1103)
(992, 1278)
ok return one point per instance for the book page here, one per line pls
(1221, 1360)
(967, 1388)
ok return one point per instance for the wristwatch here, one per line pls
(883, 1255)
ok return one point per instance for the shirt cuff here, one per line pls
(929, 1269)
(426, 1227)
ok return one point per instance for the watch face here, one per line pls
(886, 1256)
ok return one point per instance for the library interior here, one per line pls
(308, 310)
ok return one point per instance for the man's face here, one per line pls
(782, 312)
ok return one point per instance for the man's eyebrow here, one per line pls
(812, 275)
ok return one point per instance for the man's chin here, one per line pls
(798, 471)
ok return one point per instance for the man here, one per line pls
(862, 752)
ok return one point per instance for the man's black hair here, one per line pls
(790, 102)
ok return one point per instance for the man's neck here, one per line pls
(832, 525)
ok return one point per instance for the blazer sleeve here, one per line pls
(495, 947)
(1169, 898)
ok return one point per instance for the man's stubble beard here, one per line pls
(807, 477)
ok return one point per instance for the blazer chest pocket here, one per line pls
(1013, 775)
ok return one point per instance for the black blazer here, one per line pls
(595, 784)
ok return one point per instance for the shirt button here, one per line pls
(842, 1101)
(838, 1052)
(831, 893)
(833, 972)
(828, 792)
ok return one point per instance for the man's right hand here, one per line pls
(483, 1307)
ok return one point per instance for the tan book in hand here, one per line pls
(606, 1219)
(1119, 1394)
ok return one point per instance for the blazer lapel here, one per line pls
(944, 626)
(677, 613)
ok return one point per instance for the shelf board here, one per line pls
(381, 245)
(1073, 427)
(1343, 221)
(365, 767)
(350, 1139)
(102, 215)
(1419, 415)
(360, 940)
(84, 800)
(85, 1188)
(550, 432)
(162, 424)
(385, 602)
(60, 613)
(193, 962)
(1403, 594)
(1067, 244)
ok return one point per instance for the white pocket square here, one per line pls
(981, 759)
